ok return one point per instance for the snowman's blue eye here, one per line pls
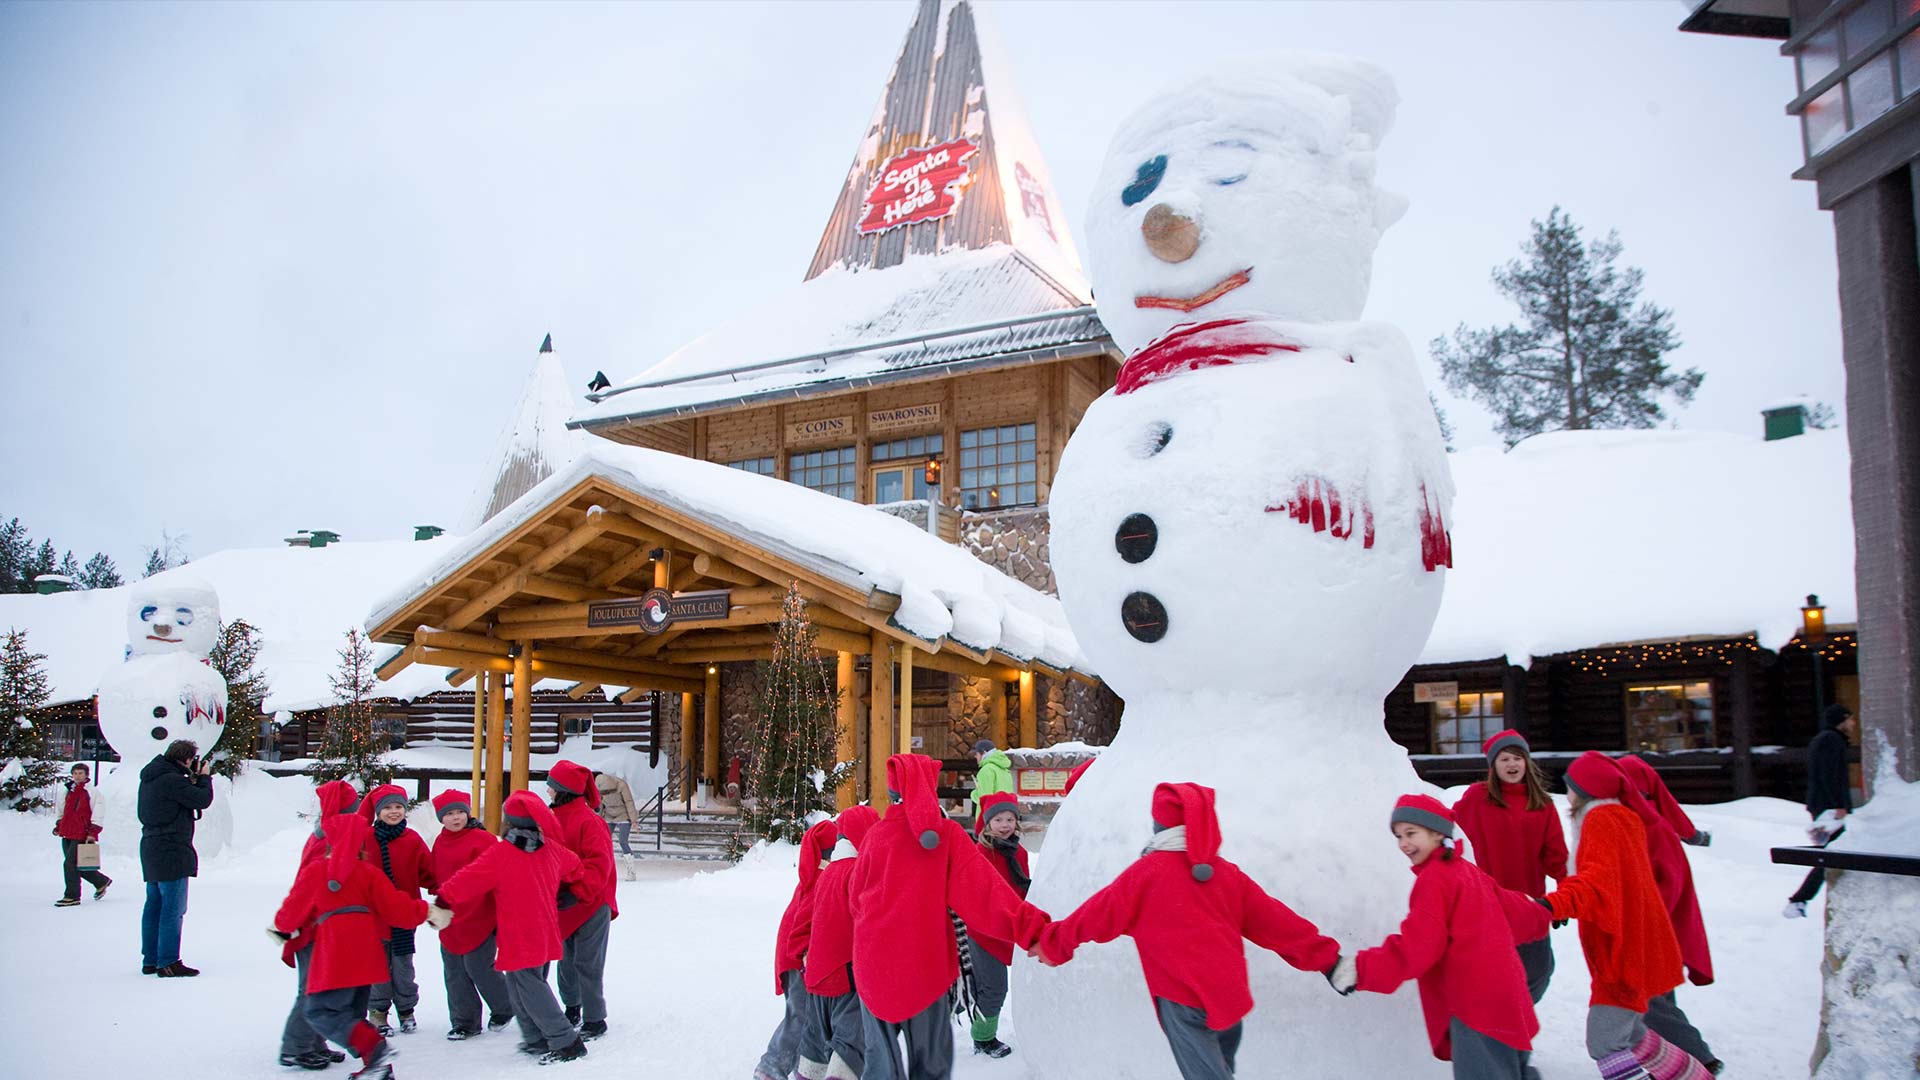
(147, 613)
(1145, 179)
(1225, 180)
(182, 616)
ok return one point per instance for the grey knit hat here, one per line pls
(983, 746)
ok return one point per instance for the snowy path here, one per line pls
(688, 978)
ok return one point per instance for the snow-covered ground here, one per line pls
(689, 975)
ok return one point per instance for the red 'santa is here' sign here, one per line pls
(918, 185)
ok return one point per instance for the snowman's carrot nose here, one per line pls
(1171, 236)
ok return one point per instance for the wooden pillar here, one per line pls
(1743, 707)
(689, 747)
(906, 699)
(879, 722)
(496, 748)
(844, 727)
(479, 739)
(711, 721)
(997, 726)
(1029, 716)
(522, 714)
(662, 572)
(1513, 693)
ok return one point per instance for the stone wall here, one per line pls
(1011, 541)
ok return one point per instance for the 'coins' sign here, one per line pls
(657, 609)
(826, 427)
(922, 184)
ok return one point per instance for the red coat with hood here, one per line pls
(1187, 912)
(412, 862)
(1631, 952)
(917, 864)
(830, 944)
(1000, 948)
(1517, 847)
(1672, 872)
(522, 885)
(586, 834)
(452, 851)
(790, 943)
(336, 797)
(349, 904)
(76, 816)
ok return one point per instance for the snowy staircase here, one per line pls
(705, 837)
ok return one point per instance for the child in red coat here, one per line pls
(300, 1045)
(75, 827)
(467, 946)
(1513, 833)
(916, 866)
(1624, 931)
(1458, 942)
(588, 911)
(1187, 910)
(350, 906)
(998, 828)
(795, 1043)
(829, 967)
(522, 877)
(400, 852)
(1673, 874)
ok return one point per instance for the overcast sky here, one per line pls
(265, 268)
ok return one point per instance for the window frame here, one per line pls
(1025, 435)
(1853, 58)
(845, 467)
(1481, 717)
(1630, 734)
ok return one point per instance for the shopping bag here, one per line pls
(87, 856)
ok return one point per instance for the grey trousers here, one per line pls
(929, 1044)
(1199, 1052)
(1536, 959)
(835, 1029)
(989, 979)
(1668, 1022)
(583, 967)
(298, 1036)
(1613, 1030)
(783, 1049)
(1483, 1057)
(400, 989)
(469, 978)
(535, 1007)
(335, 1013)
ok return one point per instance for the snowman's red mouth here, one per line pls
(1199, 300)
(156, 637)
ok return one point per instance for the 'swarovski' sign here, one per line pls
(922, 184)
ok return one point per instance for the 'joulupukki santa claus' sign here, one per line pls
(916, 185)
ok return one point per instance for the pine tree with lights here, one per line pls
(790, 774)
(24, 689)
(234, 656)
(354, 748)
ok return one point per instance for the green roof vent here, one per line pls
(427, 532)
(1785, 422)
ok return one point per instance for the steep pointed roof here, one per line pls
(947, 246)
(534, 446)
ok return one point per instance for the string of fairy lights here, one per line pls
(1725, 652)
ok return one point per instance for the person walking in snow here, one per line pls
(998, 830)
(1187, 910)
(403, 855)
(174, 788)
(302, 1047)
(1458, 943)
(1513, 834)
(837, 1015)
(587, 910)
(915, 867)
(1632, 954)
(75, 827)
(1673, 875)
(798, 1043)
(522, 876)
(617, 808)
(995, 773)
(467, 943)
(1829, 791)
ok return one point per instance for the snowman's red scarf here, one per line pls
(1192, 346)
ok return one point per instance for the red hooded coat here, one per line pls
(1517, 847)
(587, 835)
(452, 851)
(76, 816)
(1187, 913)
(917, 864)
(349, 904)
(1672, 872)
(523, 885)
(412, 862)
(1000, 948)
(336, 797)
(796, 923)
(830, 943)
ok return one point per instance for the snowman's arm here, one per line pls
(983, 899)
(1277, 928)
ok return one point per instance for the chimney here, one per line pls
(1785, 421)
(48, 584)
(427, 532)
(313, 538)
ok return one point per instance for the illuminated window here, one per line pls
(760, 465)
(917, 447)
(894, 482)
(1460, 726)
(830, 471)
(997, 467)
(1670, 716)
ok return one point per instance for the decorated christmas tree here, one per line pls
(24, 688)
(354, 748)
(235, 656)
(790, 773)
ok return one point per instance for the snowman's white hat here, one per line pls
(1322, 99)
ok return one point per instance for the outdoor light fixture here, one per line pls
(933, 472)
(713, 669)
(1813, 620)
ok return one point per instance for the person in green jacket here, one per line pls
(995, 774)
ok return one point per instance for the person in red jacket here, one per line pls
(300, 1045)
(795, 1042)
(400, 852)
(588, 911)
(522, 877)
(1631, 952)
(915, 867)
(466, 946)
(1187, 910)
(350, 906)
(998, 829)
(76, 827)
(1458, 942)
(1673, 874)
(829, 967)
(1513, 833)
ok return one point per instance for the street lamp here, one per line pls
(1813, 634)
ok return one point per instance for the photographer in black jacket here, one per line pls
(174, 788)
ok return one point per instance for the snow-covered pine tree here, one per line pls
(170, 552)
(100, 573)
(354, 748)
(24, 689)
(1587, 353)
(70, 567)
(16, 550)
(790, 773)
(44, 561)
(234, 656)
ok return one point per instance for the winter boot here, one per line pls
(312, 1059)
(67, 901)
(407, 1024)
(335, 1056)
(593, 1029)
(1795, 909)
(149, 969)
(573, 1051)
(1665, 1061)
(986, 1030)
(498, 1021)
(1715, 1066)
(459, 1034)
(378, 1018)
(378, 1062)
(993, 1048)
(535, 1047)
(573, 1015)
(177, 970)
(102, 890)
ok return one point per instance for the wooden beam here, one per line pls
(955, 665)
(496, 748)
(997, 729)
(554, 588)
(580, 690)
(428, 638)
(879, 721)
(458, 677)
(689, 732)
(628, 697)
(551, 669)
(711, 709)
(516, 580)
(555, 654)
(621, 568)
(396, 663)
(906, 702)
(1029, 716)
(538, 613)
(706, 537)
(846, 719)
(717, 569)
(522, 716)
(652, 646)
(718, 655)
(479, 749)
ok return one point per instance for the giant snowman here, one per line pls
(1249, 533)
(164, 690)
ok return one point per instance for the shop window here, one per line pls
(576, 725)
(1670, 716)
(830, 471)
(899, 472)
(761, 465)
(998, 467)
(919, 446)
(1460, 726)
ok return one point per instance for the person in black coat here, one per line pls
(1828, 788)
(174, 788)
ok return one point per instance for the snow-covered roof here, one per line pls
(535, 443)
(1581, 538)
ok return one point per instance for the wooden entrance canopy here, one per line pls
(519, 606)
